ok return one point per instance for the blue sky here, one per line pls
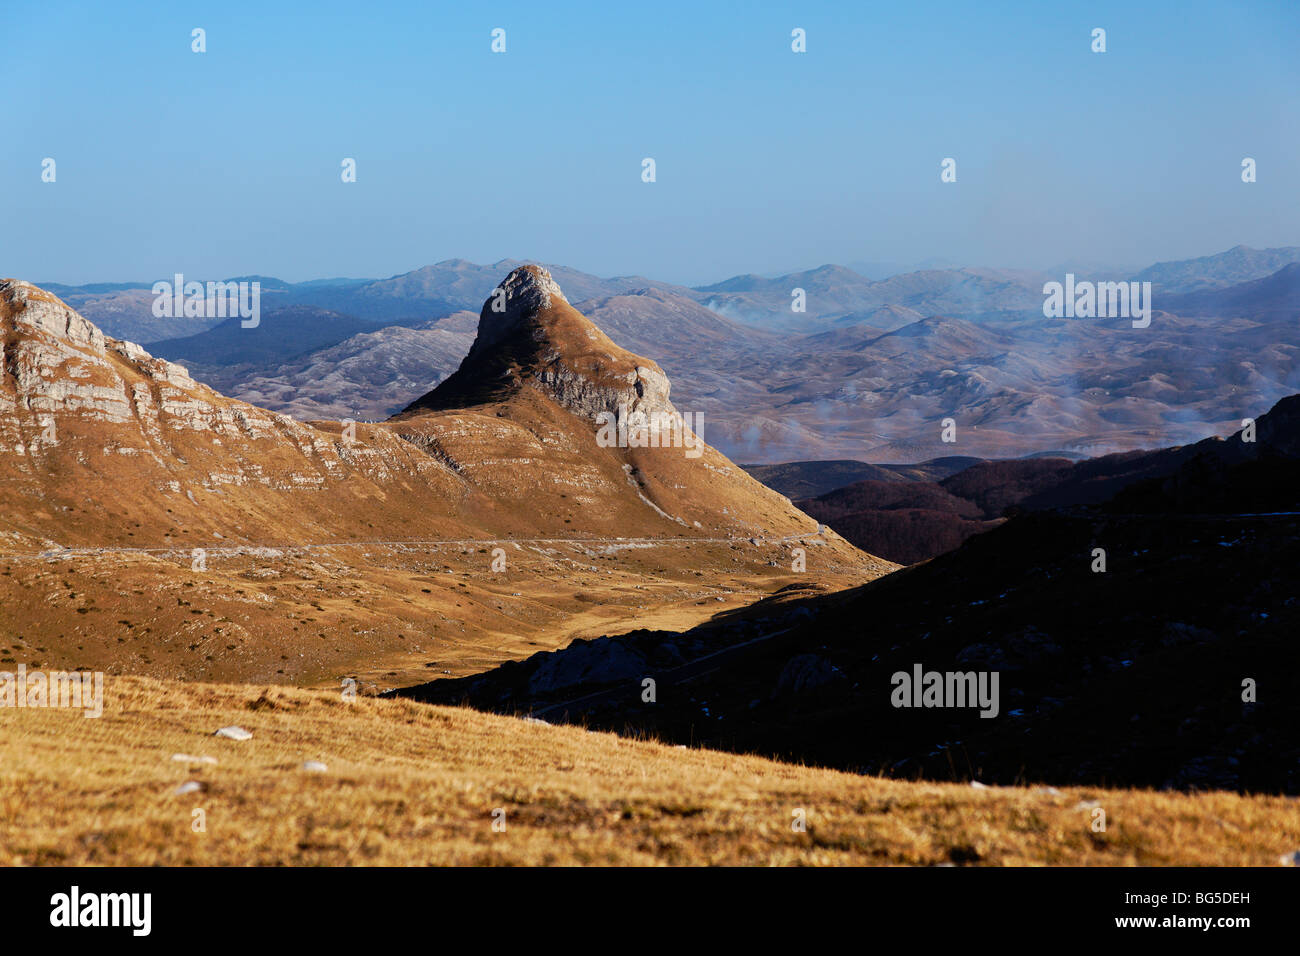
(228, 162)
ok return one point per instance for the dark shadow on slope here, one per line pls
(1131, 676)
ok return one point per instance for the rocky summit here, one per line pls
(529, 336)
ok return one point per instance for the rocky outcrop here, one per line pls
(35, 309)
(529, 336)
(61, 362)
(527, 291)
(62, 375)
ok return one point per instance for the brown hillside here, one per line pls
(328, 556)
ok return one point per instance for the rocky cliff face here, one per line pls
(62, 370)
(530, 337)
(57, 361)
(98, 427)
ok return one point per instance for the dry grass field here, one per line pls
(407, 783)
(388, 615)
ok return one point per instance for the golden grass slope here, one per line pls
(413, 784)
(389, 616)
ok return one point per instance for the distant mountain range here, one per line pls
(366, 377)
(869, 371)
(1274, 298)
(836, 294)
(1239, 264)
(124, 310)
(832, 293)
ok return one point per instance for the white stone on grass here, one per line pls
(190, 758)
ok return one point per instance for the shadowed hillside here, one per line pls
(1133, 672)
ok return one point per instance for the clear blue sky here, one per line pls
(228, 162)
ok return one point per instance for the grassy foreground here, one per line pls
(408, 783)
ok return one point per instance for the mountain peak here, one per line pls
(32, 306)
(530, 336)
(527, 291)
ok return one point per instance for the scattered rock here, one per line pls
(190, 786)
(189, 758)
(234, 733)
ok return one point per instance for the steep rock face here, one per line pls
(36, 309)
(65, 370)
(533, 389)
(58, 362)
(529, 336)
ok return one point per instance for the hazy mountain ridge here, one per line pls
(1013, 387)
(834, 292)
(125, 310)
(874, 383)
(1274, 297)
(367, 377)
(1207, 273)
